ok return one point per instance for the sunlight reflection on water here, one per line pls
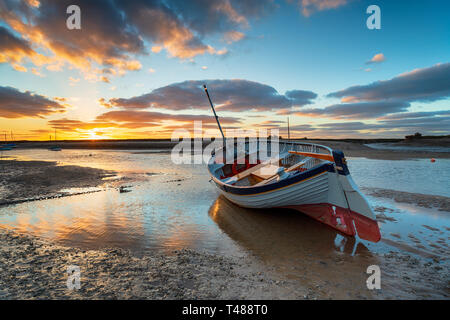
(175, 207)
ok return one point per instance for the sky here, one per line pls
(135, 69)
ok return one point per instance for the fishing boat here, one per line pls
(310, 178)
(8, 145)
(5, 148)
(55, 147)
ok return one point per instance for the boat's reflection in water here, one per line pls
(295, 244)
(283, 231)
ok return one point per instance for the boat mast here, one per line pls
(214, 111)
(289, 132)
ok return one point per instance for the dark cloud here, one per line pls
(427, 84)
(347, 126)
(359, 110)
(12, 48)
(441, 123)
(438, 125)
(17, 104)
(65, 124)
(157, 117)
(301, 127)
(133, 119)
(228, 95)
(410, 115)
(300, 97)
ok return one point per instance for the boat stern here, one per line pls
(360, 212)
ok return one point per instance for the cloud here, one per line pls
(358, 110)
(300, 97)
(347, 126)
(426, 84)
(115, 32)
(429, 122)
(233, 36)
(308, 7)
(133, 119)
(65, 124)
(73, 81)
(17, 104)
(378, 58)
(37, 72)
(135, 116)
(228, 95)
(15, 50)
(412, 115)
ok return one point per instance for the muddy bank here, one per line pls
(440, 142)
(27, 180)
(422, 200)
(35, 269)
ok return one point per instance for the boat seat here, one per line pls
(276, 174)
(297, 165)
(268, 171)
(265, 181)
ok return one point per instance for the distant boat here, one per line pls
(12, 144)
(309, 178)
(6, 145)
(55, 147)
(5, 148)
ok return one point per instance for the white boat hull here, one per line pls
(326, 192)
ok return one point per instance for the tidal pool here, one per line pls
(175, 206)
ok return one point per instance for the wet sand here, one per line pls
(32, 268)
(422, 200)
(299, 248)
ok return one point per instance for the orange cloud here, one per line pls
(311, 6)
(233, 36)
(115, 33)
(379, 57)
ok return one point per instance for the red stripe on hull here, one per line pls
(342, 220)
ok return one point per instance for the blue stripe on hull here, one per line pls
(280, 184)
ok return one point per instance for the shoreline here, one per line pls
(348, 146)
